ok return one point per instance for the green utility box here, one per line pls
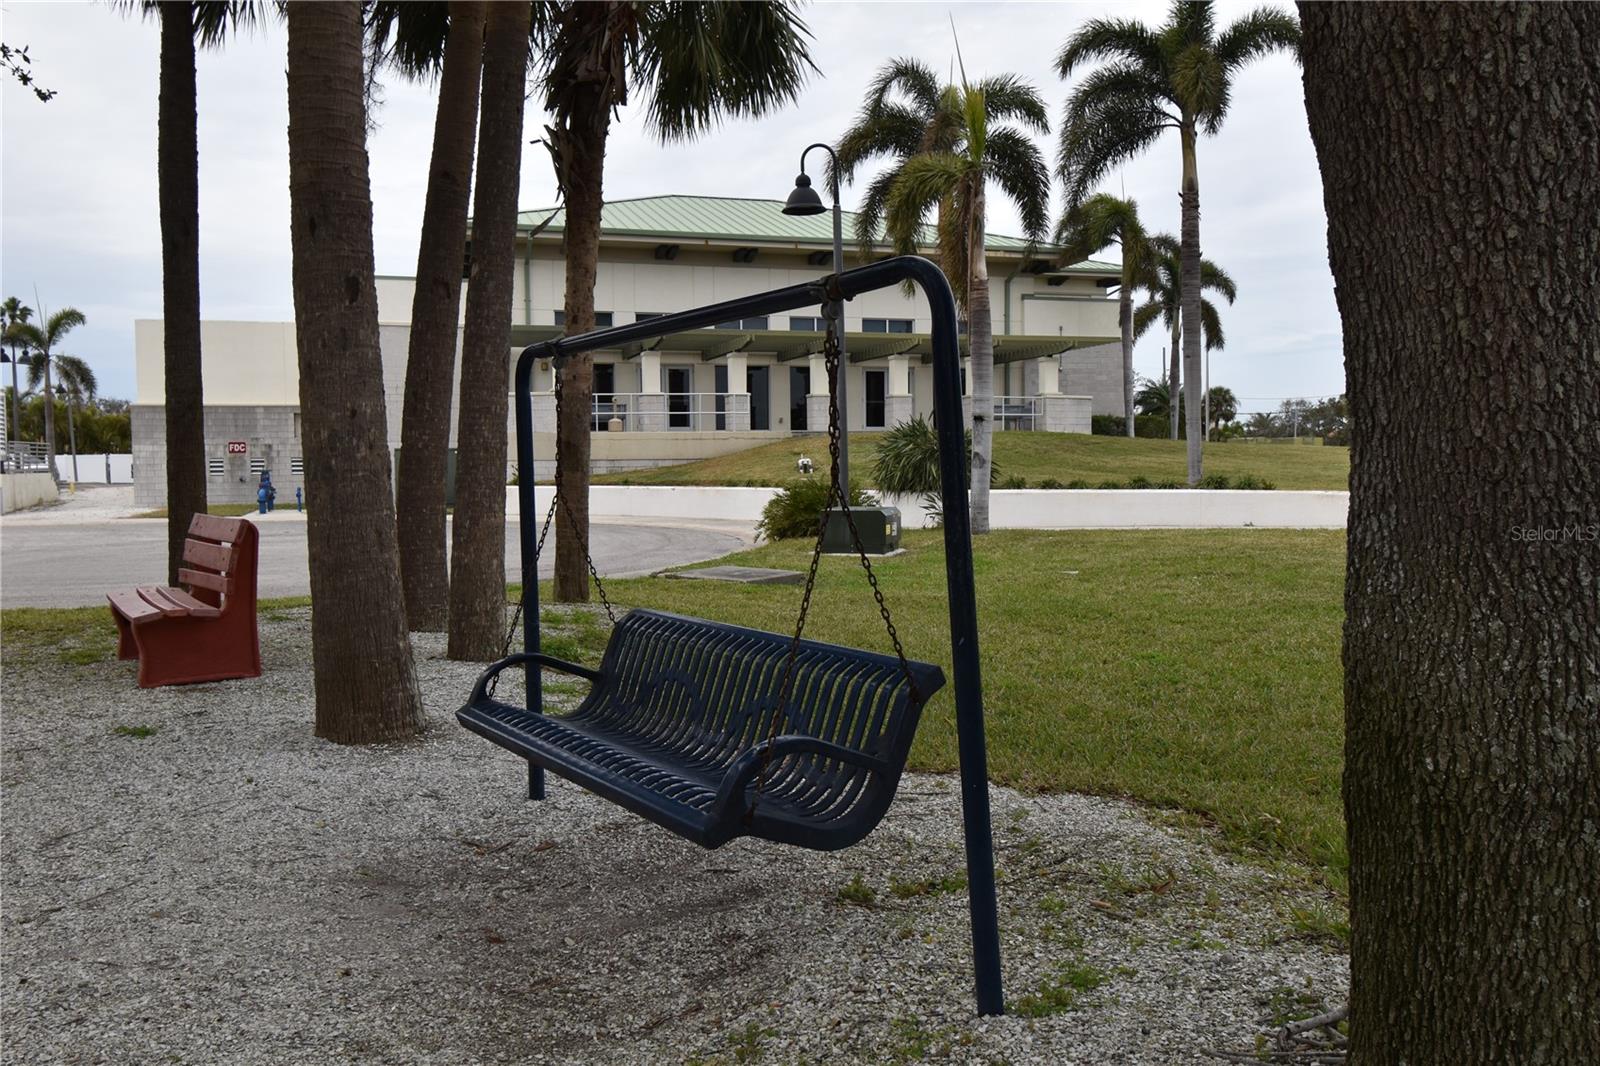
(879, 528)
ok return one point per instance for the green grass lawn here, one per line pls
(224, 510)
(1192, 670)
(1066, 457)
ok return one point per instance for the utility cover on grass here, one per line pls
(744, 575)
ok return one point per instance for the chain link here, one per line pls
(840, 494)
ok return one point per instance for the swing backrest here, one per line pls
(708, 691)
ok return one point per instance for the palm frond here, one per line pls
(869, 216)
(912, 78)
(924, 181)
(1191, 22)
(1100, 39)
(1211, 326)
(1006, 96)
(1020, 171)
(1262, 31)
(1216, 279)
(891, 129)
(59, 325)
(699, 64)
(410, 36)
(1108, 135)
(1200, 83)
(1146, 315)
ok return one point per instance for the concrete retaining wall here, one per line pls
(21, 491)
(1009, 508)
(99, 469)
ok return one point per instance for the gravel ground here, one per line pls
(229, 889)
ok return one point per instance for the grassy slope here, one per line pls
(1063, 456)
(1197, 670)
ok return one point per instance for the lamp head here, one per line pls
(804, 199)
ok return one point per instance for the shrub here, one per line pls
(1110, 485)
(1149, 427)
(1169, 483)
(1214, 481)
(1014, 482)
(797, 508)
(907, 463)
(1077, 483)
(1250, 481)
(1141, 482)
(1051, 483)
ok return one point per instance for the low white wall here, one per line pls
(99, 469)
(21, 491)
(1008, 508)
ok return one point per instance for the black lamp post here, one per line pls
(803, 200)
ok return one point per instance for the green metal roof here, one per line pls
(728, 218)
(787, 344)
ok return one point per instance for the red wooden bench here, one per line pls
(206, 631)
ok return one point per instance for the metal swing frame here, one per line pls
(972, 746)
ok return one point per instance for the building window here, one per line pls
(744, 323)
(642, 316)
(216, 467)
(877, 398)
(887, 325)
(801, 324)
(602, 319)
(605, 404)
(297, 466)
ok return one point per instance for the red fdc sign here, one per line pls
(237, 447)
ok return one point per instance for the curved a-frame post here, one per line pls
(957, 541)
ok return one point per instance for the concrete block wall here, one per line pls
(270, 434)
(1094, 372)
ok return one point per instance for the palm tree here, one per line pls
(953, 181)
(41, 344)
(1166, 298)
(694, 65)
(1095, 224)
(13, 311)
(1221, 406)
(478, 561)
(75, 381)
(1263, 424)
(364, 677)
(184, 25)
(443, 41)
(1155, 397)
(1177, 76)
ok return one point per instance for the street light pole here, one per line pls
(804, 201)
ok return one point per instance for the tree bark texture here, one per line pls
(366, 685)
(581, 146)
(477, 559)
(981, 324)
(1125, 324)
(1189, 304)
(435, 306)
(1469, 137)
(178, 173)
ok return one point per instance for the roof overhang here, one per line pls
(788, 345)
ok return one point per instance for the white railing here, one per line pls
(1018, 412)
(19, 455)
(656, 412)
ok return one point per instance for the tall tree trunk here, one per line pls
(366, 684)
(178, 170)
(981, 325)
(477, 551)
(1189, 303)
(49, 415)
(1468, 136)
(1125, 322)
(435, 306)
(1174, 377)
(581, 145)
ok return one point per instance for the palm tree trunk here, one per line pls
(1174, 378)
(1189, 302)
(981, 326)
(364, 677)
(177, 165)
(1125, 321)
(435, 305)
(582, 148)
(1472, 624)
(49, 416)
(478, 561)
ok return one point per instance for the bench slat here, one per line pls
(213, 527)
(176, 603)
(203, 579)
(131, 606)
(209, 556)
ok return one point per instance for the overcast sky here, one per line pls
(78, 208)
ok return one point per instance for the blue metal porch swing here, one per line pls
(715, 731)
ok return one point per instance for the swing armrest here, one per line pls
(747, 767)
(481, 688)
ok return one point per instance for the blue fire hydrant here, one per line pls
(298, 501)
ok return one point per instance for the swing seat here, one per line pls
(677, 722)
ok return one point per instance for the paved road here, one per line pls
(72, 565)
